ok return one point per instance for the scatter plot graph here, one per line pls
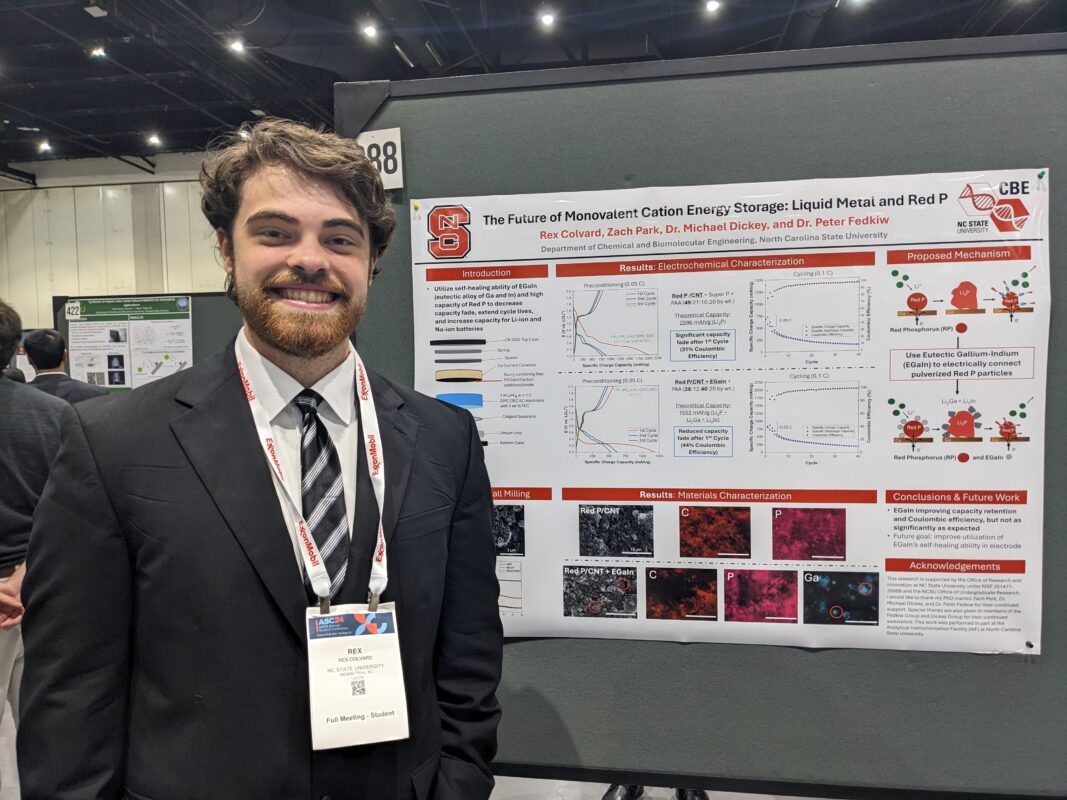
(613, 323)
(812, 417)
(615, 419)
(813, 315)
(840, 598)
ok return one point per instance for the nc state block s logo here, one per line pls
(449, 235)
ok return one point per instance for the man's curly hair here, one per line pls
(235, 156)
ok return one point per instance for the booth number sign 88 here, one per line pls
(383, 156)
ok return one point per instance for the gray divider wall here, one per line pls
(855, 722)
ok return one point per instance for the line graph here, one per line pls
(509, 576)
(812, 417)
(613, 323)
(813, 315)
(615, 419)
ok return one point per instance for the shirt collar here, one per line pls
(276, 388)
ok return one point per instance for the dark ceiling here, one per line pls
(168, 68)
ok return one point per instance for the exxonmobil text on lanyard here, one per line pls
(355, 673)
(309, 551)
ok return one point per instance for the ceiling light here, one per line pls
(712, 6)
(95, 11)
(403, 56)
(27, 128)
(237, 46)
(370, 31)
(259, 112)
(98, 52)
(153, 139)
(548, 19)
(434, 54)
(44, 147)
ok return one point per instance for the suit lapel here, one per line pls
(399, 432)
(219, 438)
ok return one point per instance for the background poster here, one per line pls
(126, 342)
(800, 413)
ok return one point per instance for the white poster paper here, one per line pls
(126, 342)
(799, 413)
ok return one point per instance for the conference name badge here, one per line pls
(355, 676)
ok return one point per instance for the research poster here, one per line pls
(126, 342)
(798, 413)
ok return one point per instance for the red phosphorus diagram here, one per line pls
(714, 532)
(681, 593)
(760, 595)
(808, 534)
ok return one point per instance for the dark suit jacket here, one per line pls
(30, 424)
(66, 388)
(165, 648)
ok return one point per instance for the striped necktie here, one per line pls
(322, 492)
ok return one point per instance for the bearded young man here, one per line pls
(194, 532)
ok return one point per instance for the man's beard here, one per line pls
(305, 334)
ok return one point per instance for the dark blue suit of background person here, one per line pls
(29, 440)
(166, 652)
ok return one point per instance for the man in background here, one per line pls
(47, 353)
(29, 441)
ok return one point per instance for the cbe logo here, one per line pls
(1008, 213)
(449, 235)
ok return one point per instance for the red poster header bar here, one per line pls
(504, 273)
(1008, 567)
(934, 255)
(956, 497)
(717, 263)
(613, 495)
(522, 493)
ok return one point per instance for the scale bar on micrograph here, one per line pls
(636, 552)
(829, 558)
(792, 618)
(701, 616)
(620, 614)
(734, 554)
(860, 622)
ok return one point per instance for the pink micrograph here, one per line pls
(808, 534)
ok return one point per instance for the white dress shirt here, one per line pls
(275, 391)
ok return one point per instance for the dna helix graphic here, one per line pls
(982, 201)
(1008, 213)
